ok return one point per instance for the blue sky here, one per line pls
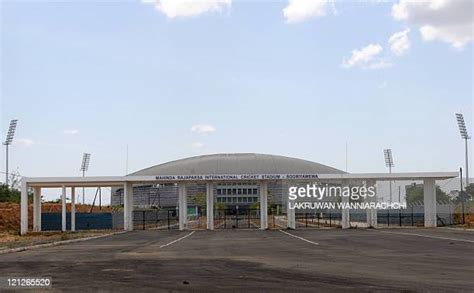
(96, 76)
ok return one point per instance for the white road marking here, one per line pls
(427, 236)
(298, 237)
(179, 239)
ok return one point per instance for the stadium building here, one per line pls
(240, 194)
(232, 180)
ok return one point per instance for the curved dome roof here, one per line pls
(221, 164)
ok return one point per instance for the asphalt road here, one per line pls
(239, 260)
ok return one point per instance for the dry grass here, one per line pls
(13, 240)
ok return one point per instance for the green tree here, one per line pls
(470, 190)
(8, 194)
(220, 206)
(415, 193)
(11, 193)
(200, 200)
(255, 205)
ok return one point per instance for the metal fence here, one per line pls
(321, 219)
(84, 221)
(155, 219)
(249, 218)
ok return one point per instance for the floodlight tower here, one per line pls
(465, 136)
(86, 158)
(389, 163)
(8, 141)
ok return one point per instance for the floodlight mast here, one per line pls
(86, 158)
(465, 136)
(8, 141)
(389, 163)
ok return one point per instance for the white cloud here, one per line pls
(449, 21)
(399, 42)
(301, 10)
(187, 8)
(198, 145)
(71, 131)
(203, 128)
(367, 57)
(26, 142)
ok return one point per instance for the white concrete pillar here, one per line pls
(429, 201)
(63, 209)
(128, 206)
(24, 207)
(210, 205)
(183, 206)
(371, 213)
(345, 213)
(290, 214)
(73, 209)
(37, 209)
(263, 206)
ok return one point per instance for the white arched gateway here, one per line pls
(263, 171)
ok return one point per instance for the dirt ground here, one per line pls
(10, 213)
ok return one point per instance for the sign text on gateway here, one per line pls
(236, 177)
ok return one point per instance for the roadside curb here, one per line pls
(58, 243)
(458, 229)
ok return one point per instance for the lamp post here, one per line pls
(465, 136)
(389, 163)
(86, 158)
(8, 141)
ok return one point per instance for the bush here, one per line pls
(9, 194)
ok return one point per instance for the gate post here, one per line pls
(24, 207)
(128, 206)
(210, 205)
(63, 209)
(263, 206)
(429, 201)
(183, 206)
(371, 213)
(345, 213)
(37, 209)
(290, 214)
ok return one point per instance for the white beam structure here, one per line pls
(127, 181)
(210, 205)
(128, 206)
(73, 209)
(63, 209)
(182, 206)
(263, 205)
(36, 209)
(429, 199)
(371, 213)
(24, 207)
